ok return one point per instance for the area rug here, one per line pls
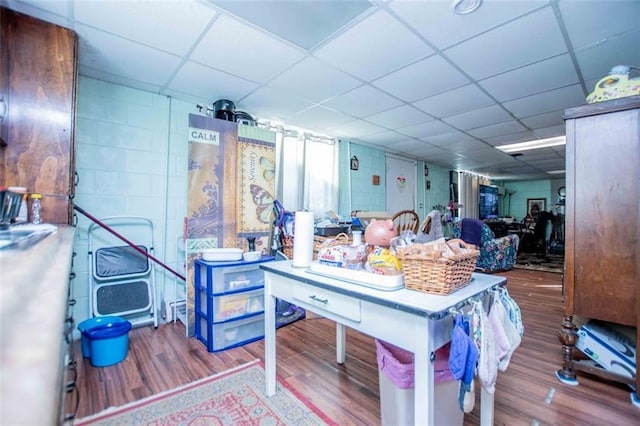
(234, 397)
(550, 263)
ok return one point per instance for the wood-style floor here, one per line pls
(528, 393)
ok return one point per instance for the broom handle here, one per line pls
(106, 227)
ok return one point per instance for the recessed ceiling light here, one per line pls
(462, 7)
(540, 143)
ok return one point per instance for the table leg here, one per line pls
(486, 407)
(423, 400)
(341, 342)
(269, 338)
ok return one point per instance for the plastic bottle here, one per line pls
(36, 208)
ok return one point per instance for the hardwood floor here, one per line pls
(528, 393)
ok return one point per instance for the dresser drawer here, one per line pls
(337, 304)
(229, 306)
(230, 334)
(230, 278)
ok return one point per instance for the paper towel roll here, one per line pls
(303, 239)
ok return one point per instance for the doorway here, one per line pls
(401, 186)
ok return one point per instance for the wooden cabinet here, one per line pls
(602, 228)
(38, 84)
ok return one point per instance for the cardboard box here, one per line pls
(610, 345)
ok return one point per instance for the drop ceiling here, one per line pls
(408, 77)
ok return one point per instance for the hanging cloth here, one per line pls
(484, 339)
(463, 358)
(512, 309)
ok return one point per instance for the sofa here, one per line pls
(496, 254)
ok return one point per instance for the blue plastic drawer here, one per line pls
(230, 334)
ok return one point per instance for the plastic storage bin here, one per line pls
(105, 340)
(396, 379)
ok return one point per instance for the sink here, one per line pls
(23, 236)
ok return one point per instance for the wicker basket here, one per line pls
(318, 243)
(440, 276)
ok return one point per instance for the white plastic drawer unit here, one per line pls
(229, 306)
(338, 304)
(231, 278)
(226, 335)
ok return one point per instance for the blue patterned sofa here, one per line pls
(496, 254)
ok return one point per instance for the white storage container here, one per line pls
(232, 277)
(233, 333)
(238, 304)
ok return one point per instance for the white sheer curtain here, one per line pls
(468, 184)
(307, 172)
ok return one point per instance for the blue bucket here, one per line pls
(105, 340)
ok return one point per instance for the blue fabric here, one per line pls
(496, 254)
(463, 354)
(472, 231)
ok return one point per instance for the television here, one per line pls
(488, 202)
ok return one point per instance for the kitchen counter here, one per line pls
(34, 286)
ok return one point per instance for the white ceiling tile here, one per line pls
(56, 12)
(544, 120)
(528, 39)
(531, 79)
(357, 129)
(363, 101)
(431, 153)
(506, 127)
(551, 132)
(425, 78)
(101, 74)
(590, 22)
(395, 47)
(196, 78)
(149, 22)
(487, 155)
(311, 79)
(565, 97)
(410, 146)
(437, 22)
(264, 56)
(511, 138)
(448, 138)
(478, 118)
(454, 101)
(143, 63)
(318, 117)
(304, 23)
(399, 117)
(386, 138)
(463, 146)
(596, 62)
(424, 130)
(270, 103)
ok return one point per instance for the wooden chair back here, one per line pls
(406, 220)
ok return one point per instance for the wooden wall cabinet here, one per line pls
(602, 235)
(38, 84)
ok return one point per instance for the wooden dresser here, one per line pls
(602, 260)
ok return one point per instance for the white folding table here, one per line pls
(416, 321)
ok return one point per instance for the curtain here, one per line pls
(307, 172)
(468, 185)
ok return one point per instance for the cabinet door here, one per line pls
(40, 90)
(602, 210)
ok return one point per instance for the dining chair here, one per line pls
(406, 220)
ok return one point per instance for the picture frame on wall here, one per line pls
(541, 202)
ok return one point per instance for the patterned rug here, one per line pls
(550, 263)
(234, 397)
